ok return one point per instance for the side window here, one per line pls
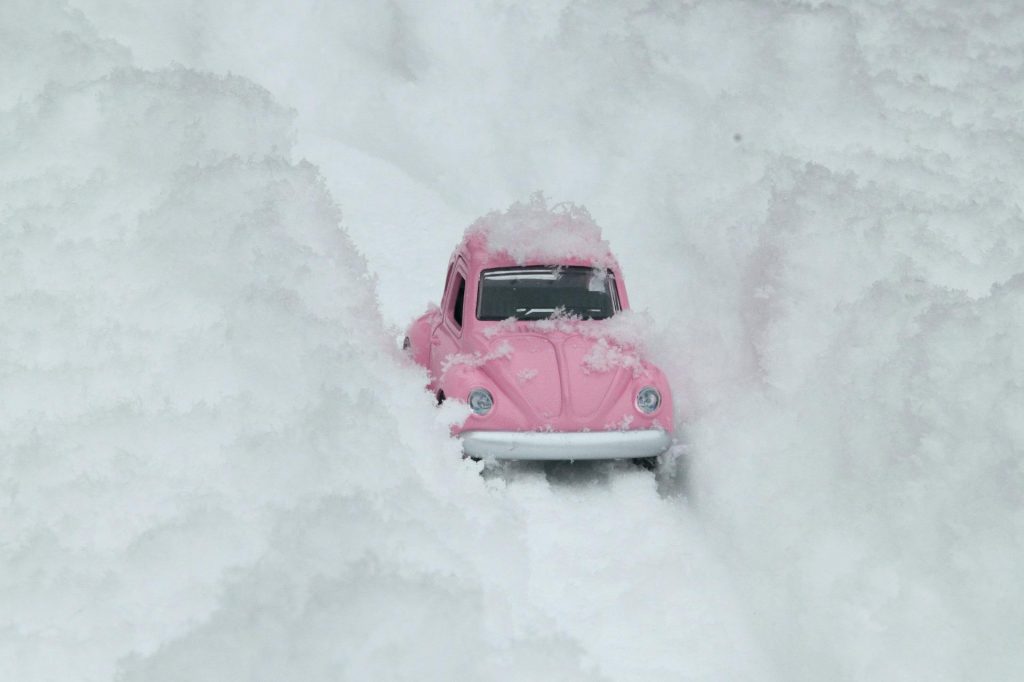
(460, 299)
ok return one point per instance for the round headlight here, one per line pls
(648, 400)
(480, 400)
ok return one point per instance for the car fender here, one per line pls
(653, 376)
(459, 380)
(417, 336)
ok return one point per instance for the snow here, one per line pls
(533, 232)
(216, 465)
(628, 331)
(604, 356)
(501, 350)
(525, 375)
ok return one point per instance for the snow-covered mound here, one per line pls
(819, 204)
(816, 203)
(215, 464)
(531, 232)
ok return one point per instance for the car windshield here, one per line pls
(536, 293)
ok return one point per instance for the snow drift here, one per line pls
(200, 433)
(819, 204)
(532, 232)
(215, 464)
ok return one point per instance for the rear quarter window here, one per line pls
(460, 299)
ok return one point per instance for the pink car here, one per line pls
(528, 341)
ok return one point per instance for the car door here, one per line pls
(447, 337)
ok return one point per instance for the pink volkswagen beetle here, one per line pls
(530, 334)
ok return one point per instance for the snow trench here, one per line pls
(215, 464)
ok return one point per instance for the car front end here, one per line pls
(559, 394)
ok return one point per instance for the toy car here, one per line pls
(527, 337)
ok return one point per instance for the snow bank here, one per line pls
(214, 465)
(811, 199)
(845, 310)
(820, 206)
(872, 492)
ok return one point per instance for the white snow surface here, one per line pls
(215, 465)
(533, 232)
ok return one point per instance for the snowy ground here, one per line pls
(215, 218)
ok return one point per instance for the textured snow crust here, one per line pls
(533, 232)
(212, 466)
(215, 465)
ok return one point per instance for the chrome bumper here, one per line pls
(565, 445)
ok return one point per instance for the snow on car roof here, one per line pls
(532, 233)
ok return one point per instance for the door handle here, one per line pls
(435, 340)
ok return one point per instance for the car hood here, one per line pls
(565, 381)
